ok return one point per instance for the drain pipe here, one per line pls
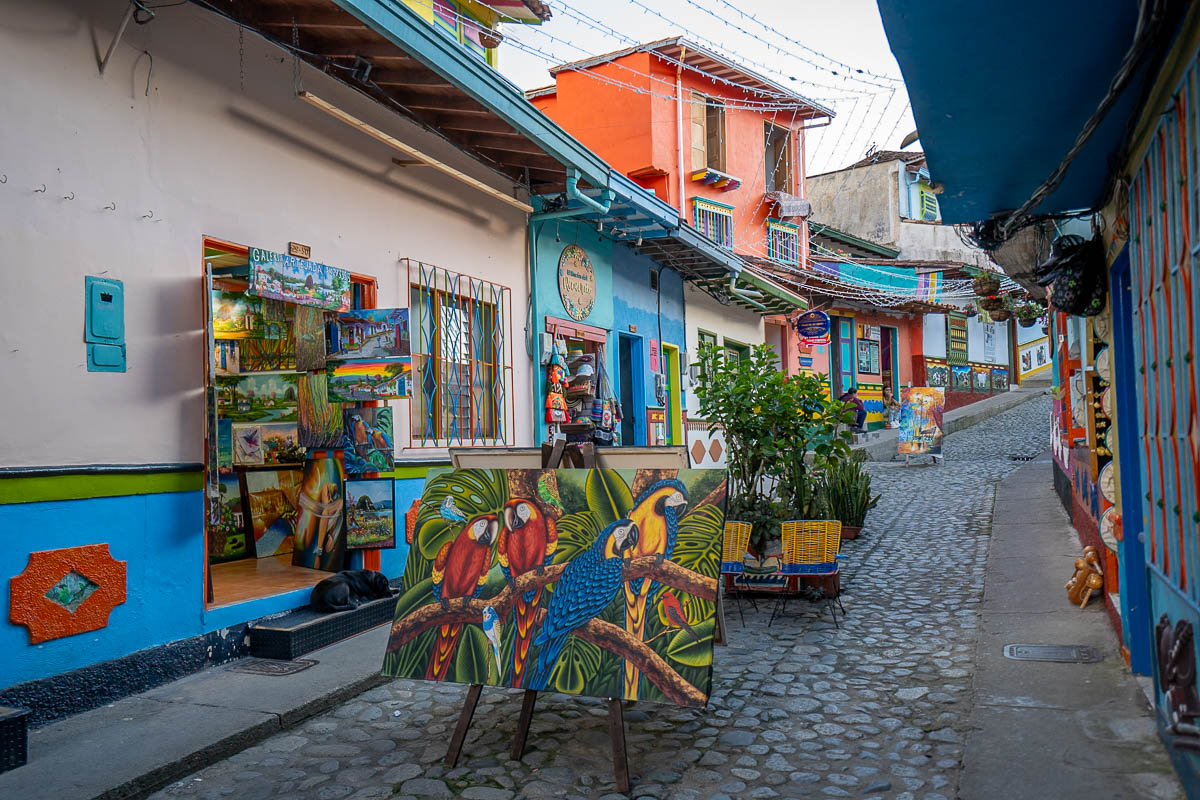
(607, 196)
(746, 295)
(679, 126)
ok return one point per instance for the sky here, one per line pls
(822, 44)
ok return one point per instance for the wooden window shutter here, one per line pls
(699, 133)
(715, 114)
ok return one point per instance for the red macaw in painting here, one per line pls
(527, 544)
(459, 572)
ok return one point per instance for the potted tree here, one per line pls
(740, 399)
(847, 490)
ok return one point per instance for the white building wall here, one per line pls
(727, 322)
(933, 335)
(220, 147)
(987, 342)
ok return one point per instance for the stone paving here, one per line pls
(876, 709)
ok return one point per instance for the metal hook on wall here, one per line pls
(70, 196)
(39, 191)
(149, 215)
(3, 178)
(111, 206)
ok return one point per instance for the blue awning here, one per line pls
(1001, 91)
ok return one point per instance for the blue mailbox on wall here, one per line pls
(104, 324)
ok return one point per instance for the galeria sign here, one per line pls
(576, 282)
(294, 280)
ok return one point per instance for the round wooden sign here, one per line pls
(1104, 365)
(576, 282)
(1108, 533)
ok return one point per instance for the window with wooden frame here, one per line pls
(929, 210)
(461, 359)
(708, 133)
(705, 340)
(777, 158)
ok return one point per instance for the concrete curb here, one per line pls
(882, 447)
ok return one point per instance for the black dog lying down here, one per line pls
(349, 589)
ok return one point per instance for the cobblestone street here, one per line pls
(875, 709)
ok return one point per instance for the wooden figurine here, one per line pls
(1087, 578)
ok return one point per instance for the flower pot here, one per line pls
(1027, 322)
(489, 38)
(1000, 315)
(850, 532)
(986, 285)
(990, 304)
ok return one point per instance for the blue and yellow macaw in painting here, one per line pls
(588, 584)
(527, 543)
(459, 572)
(656, 514)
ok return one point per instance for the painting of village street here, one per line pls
(364, 379)
(294, 280)
(590, 582)
(370, 514)
(261, 397)
(370, 333)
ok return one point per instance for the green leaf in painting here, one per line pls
(686, 650)
(578, 663)
(608, 495)
(473, 660)
(414, 598)
(576, 533)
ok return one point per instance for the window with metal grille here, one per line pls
(714, 220)
(783, 242)
(461, 359)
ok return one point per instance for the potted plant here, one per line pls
(990, 304)
(1000, 315)
(986, 284)
(1028, 314)
(740, 398)
(847, 489)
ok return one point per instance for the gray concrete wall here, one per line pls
(863, 202)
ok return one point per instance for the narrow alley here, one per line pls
(878, 708)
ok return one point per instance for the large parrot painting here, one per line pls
(595, 582)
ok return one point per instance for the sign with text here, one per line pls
(294, 280)
(576, 282)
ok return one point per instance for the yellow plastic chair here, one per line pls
(733, 559)
(810, 548)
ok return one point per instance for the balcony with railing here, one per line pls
(783, 242)
(714, 220)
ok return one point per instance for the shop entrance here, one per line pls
(889, 368)
(841, 355)
(275, 516)
(674, 404)
(631, 369)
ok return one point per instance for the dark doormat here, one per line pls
(264, 666)
(1063, 653)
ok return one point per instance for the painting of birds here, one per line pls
(588, 584)
(491, 629)
(656, 513)
(672, 616)
(527, 543)
(450, 511)
(459, 573)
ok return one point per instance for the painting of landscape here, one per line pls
(294, 280)
(370, 514)
(309, 333)
(359, 380)
(367, 440)
(261, 397)
(591, 582)
(227, 533)
(370, 333)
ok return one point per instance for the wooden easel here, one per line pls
(553, 456)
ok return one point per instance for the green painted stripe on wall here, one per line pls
(40, 489)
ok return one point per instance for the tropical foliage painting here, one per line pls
(590, 582)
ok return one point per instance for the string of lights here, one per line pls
(774, 47)
(843, 65)
(583, 18)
